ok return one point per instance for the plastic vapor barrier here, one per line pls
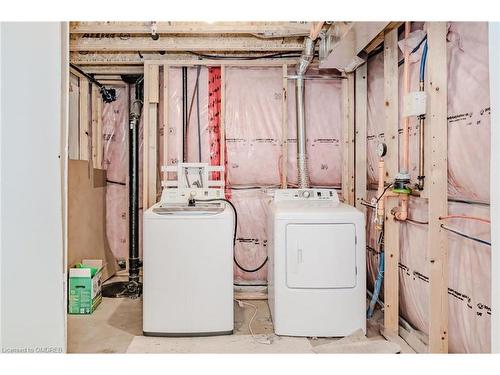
(468, 180)
(115, 161)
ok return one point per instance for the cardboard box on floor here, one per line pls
(84, 289)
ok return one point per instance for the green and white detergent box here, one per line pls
(84, 290)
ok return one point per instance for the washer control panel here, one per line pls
(306, 194)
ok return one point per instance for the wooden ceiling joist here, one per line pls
(184, 43)
(265, 29)
(94, 58)
(113, 69)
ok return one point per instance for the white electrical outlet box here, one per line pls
(415, 103)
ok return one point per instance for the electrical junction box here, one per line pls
(415, 103)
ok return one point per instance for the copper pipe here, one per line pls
(382, 194)
(421, 136)
(380, 191)
(403, 213)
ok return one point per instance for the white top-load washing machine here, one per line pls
(316, 280)
(188, 257)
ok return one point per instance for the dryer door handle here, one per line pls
(299, 255)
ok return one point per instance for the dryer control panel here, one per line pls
(306, 194)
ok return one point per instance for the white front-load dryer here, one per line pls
(316, 276)
(188, 269)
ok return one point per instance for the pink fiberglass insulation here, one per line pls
(469, 276)
(214, 109)
(468, 179)
(115, 161)
(253, 125)
(468, 111)
(254, 128)
(174, 123)
(115, 136)
(251, 238)
(253, 121)
(375, 117)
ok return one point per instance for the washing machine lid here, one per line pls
(321, 256)
(204, 208)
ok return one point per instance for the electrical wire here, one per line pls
(253, 187)
(234, 236)
(465, 235)
(465, 201)
(367, 204)
(116, 182)
(381, 195)
(198, 111)
(410, 220)
(457, 232)
(401, 62)
(197, 97)
(265, 341)
(280, 55)
(240, 284)
(424, 39)
(465, 217)
(380, 49)
(108, 95)
(468, 202)
(184, 113)
(416, 221)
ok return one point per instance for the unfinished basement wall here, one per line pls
(253, 126)
(468, 190)
(98, 153)
(253, 133)
(115, 162)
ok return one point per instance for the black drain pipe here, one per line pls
(184, 113)
(133, 219)
(133, 287)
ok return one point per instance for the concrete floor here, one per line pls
(116, 327)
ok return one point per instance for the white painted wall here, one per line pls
(494, 50)
(32, 265)
(0, 186)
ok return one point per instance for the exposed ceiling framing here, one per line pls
(262, 29)
(178, 42)
(138, 58)
(118, 46)
(121, 47)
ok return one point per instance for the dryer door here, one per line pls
(321, 256)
